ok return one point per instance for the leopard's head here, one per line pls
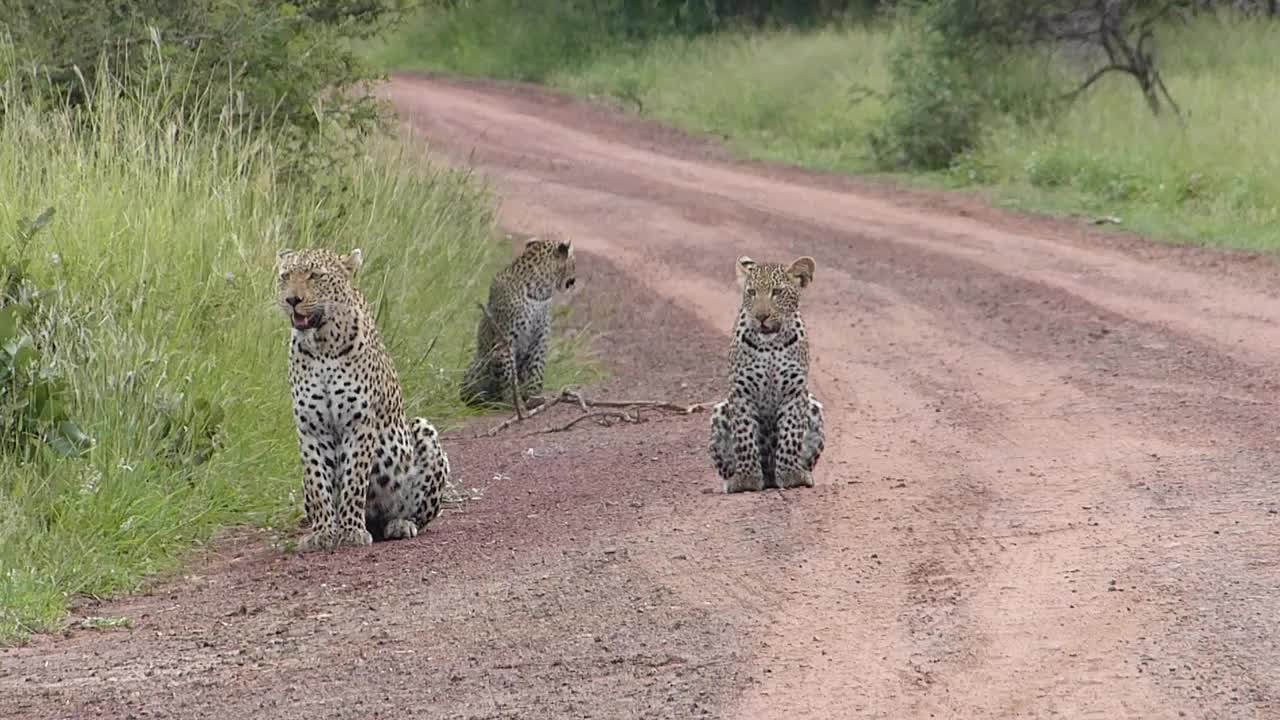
(551, 261)
(771, 291)
(316, 287)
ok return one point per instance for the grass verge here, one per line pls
(812, 99)
(157, 327)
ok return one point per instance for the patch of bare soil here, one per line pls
(1049, 488)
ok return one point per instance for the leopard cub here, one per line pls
(769, 432)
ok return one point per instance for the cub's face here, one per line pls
(771, 291)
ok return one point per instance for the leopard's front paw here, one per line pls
(358, 537)
(318, 540)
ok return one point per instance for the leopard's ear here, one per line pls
(353, 261)
(743, 268)
(281, 257)
(802, 270)
(564, 249)
(531, 242)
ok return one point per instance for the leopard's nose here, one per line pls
(293, 300)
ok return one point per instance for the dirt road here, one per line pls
(1050, 488)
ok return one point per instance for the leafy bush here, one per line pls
(956, 64)
(933, 109)
(34, 398)
(287, 66)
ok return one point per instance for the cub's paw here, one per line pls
(795, 478)
(744, 482)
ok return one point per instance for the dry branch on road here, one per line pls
(628, 411)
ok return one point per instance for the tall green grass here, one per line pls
(814, 98)
(161, 250)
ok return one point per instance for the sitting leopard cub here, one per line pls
(367, 473)
(514, 333)
(769, 432)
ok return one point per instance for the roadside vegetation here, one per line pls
(1174, 139)
(145, 190)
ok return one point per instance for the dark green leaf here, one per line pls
(9, 316)
(24, 353)
(41, 221)
(68, 440)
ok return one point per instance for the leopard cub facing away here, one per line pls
(368, 472)
(515, 330)
(769, 432)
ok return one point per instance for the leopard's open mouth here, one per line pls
(306, 322)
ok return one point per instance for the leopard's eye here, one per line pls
(777, 292)
(751, 292)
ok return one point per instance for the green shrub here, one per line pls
(933, 110)
(34, 398)
(955, 66)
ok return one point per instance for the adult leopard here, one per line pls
(367, 473)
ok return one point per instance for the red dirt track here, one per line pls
(1049, 489)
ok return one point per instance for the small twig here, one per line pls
(1095, 77)
(630, 412)
(586, 405)
(658, 404)
(515, 402)
(598, 417)
(517, 418)
(575, 395)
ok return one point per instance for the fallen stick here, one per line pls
(571, 395)
(519, 418)
(597, 416)
(660, 404)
